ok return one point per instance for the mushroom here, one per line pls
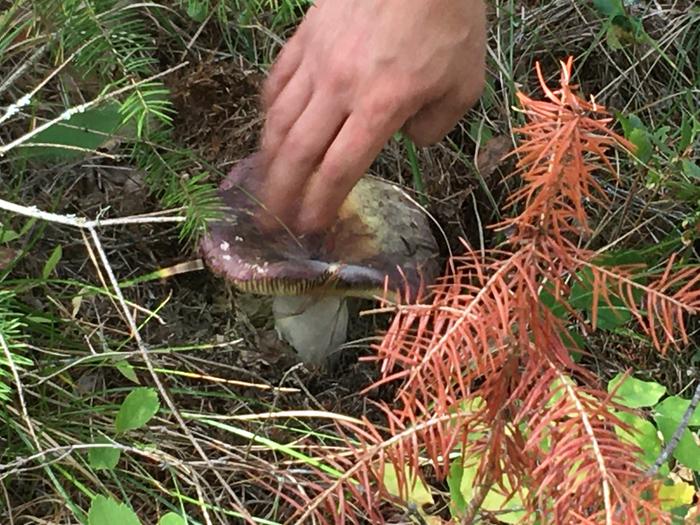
(380, 242)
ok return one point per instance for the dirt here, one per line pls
(217, 106)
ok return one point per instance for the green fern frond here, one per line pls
(119, 43)
(174, 176)
(201, 201)
(150, 100)
(111, 40)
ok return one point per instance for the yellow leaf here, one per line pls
(495, 499)
(418, 492)
(676, 495)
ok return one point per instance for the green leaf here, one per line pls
(458, 504)
(612, 38)
(417, 493)
(555, 305)
(52, 261)
(103, 458)
(137, 409)
(495, 500)
(643, 434)
(8, 235)
(635, 393)
(660, 136)
(622, 257)
(637, 133)
(676, 495)
(630, 123)
(691, 169)
(687, 452)
(642, 144)
(87, 130)
(629, 29)
(674, 407)
(611, 313)
(479, 132)
(171, 519)
(609, 8)
(572, 336)
(104, 511)
(197, 10)
(127, 371)
(688, 129)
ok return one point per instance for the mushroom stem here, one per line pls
(314, 326)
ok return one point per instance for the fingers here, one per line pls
(436, 119)
(299, 154)
(282, 71)
(288, 60)
(287, 108)
(357, 145)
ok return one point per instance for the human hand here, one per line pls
(354, 73)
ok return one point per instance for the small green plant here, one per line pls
(104, 511)
(137, 409)
(653, 427)
(621, 28)
(667, 154)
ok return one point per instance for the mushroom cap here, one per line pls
(380, 238)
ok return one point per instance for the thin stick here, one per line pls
(26, 64)
(8, 505)
(26, 99)
(67, 114)
(677, 434)
(81, 222)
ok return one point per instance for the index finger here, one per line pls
(358, 143)
(298, 155)
(282, 71)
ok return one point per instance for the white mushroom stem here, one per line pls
(314, 326)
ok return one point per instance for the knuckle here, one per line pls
(339, 76)
(273, 133)
(384, 103)
(381, 109)
(333, 172)
(300, 150)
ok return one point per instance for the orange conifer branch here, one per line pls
(486, 354)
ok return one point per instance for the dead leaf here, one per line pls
(492, 153)
(7, 255)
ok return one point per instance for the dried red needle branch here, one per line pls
(485, 369)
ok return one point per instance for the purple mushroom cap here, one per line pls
(381, 240)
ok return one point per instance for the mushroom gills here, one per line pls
(314, 326)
